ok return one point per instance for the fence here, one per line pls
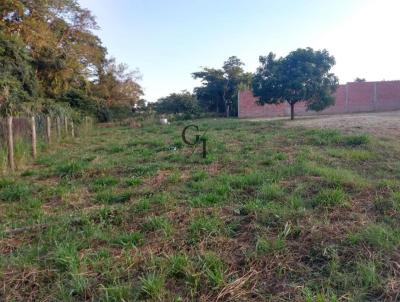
(22, 138)
(349, 98)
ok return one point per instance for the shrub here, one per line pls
(184, 104)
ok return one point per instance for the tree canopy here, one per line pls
(17, 80)
(62, 54)
(302, 76)
(220, 87)
(176, 103)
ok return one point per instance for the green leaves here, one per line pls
(303, 75)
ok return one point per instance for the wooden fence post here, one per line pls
(48, 129)
(10, 143)
(66, 125)
(33, 129)
(72, 129)
(58, 127)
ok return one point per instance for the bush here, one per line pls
(183, 104)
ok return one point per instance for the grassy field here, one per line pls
(273, 214)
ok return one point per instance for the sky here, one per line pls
(168, 40)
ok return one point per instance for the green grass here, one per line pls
(15, 192)
(178, 265)
(158, 223)
(70, 169)
(265, 246)
(108, 197)
(152, 286)
(271, 192)
(273, 214)
(330, 198)
(379, 236)
(131, 239)
(204, 226)
(214, 270)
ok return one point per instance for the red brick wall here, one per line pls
(349, 98)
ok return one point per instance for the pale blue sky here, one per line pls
(169, 39)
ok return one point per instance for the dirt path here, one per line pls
(383, 124)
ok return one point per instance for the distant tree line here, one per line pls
(50, 57)
(217, 94)
(302, 76)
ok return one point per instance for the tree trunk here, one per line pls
(227, 110)
(10, 143)
(48, 129)
(292, 111)
(66, 125)
(72, 129)
(33, 129)
(58, 121)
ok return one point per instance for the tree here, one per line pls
(301, 76)
(64, 52)
(178, 103)
(118, 86)
(220, 86)
(359, 80)
(66, 60)
(17, 80)
(235, 78)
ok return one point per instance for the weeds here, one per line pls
(70, 169)
(129, 240)
(108, 197)
(14, 192)
(152, 286)
(380, 236)
(213, 269)
(126, 214)
(204, 225)
(158, 223)
(330, 198)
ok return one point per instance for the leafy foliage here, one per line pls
(220, 86)
(17, 81)
(178, 103)
(301, 76)
(48, 50)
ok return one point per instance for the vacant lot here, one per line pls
(274, 213)
(382, 124)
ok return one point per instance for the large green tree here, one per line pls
(18, 83)
(67, 60)
(302, 76)
(220, 87)
(58, 34)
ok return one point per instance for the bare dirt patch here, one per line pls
(382, 124)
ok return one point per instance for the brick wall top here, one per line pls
(349, 98)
